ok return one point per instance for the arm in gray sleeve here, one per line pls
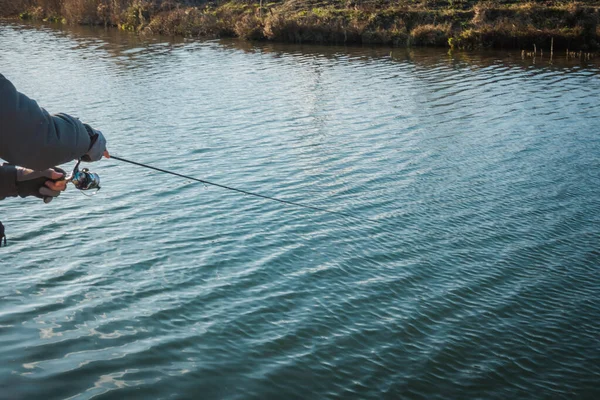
(8, 181)
(32, 138)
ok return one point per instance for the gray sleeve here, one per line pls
(31, 137)
(8, 181)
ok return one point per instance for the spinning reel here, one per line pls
(84, 179)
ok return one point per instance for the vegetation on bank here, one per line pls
(455, 23)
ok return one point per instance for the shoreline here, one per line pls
(531, 26)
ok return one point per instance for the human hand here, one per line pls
(97, 147)
(46, 184)
(57, 185)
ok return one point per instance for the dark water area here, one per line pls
(476, 275)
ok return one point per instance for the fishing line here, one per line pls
(287, 202)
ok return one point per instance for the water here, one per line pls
(480, 278)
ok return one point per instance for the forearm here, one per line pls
(31, 137)
(8, 181)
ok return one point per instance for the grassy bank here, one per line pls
(451, 23)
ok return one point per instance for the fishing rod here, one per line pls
(85, 180)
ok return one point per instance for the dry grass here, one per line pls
(83, 11)
(184, 22)
(458, 23)
(249, 27)
(528, 24)
(431, 35)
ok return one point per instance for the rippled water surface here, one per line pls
(476, 274)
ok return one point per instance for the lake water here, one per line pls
(471, 270)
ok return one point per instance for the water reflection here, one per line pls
(425, 57)
(131, 50)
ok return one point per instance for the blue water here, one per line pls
(474, 272)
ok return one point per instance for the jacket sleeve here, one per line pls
(31, 137)
(8, 181)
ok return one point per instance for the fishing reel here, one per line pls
(84, 179)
